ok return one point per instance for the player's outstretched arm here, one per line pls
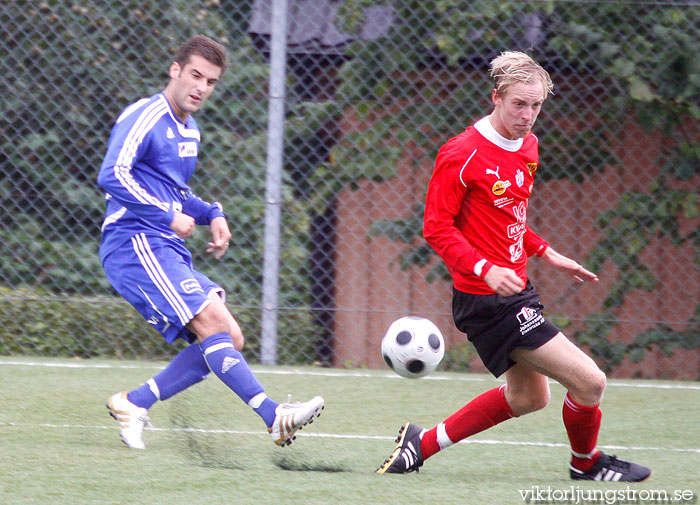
(571, 267)
(220, 237)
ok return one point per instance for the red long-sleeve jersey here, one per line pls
(476, 207)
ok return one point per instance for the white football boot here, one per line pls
(132, 419)
(291, 417)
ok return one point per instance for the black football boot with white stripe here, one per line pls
(407, 456)
(612, 469)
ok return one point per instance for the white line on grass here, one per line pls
(332, 373)
(350, 437)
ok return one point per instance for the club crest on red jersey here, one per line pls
(532, 168)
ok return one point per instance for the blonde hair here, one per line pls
(512, 67)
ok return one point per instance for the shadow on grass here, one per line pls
(303, 464)
(200, 448)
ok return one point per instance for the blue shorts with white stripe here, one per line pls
(156, 276)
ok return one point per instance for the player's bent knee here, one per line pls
(538, 402)
(597, 385)
(526, 403)
(590, 391)
(541, 401)
(210, 321)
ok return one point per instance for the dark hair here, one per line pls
(205, 47)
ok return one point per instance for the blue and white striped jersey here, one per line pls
(150, 158)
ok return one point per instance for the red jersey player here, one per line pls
(476, 220)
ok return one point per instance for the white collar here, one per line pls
(486, 129)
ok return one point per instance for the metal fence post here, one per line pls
(273, 183)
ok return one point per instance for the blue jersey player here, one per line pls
(151, 210)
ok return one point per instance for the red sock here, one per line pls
(484, 411)
(582, 425)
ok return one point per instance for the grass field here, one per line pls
(59, 446)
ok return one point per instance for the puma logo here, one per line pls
(493, 172)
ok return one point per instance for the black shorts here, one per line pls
(498, 324)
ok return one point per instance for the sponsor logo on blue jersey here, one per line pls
(187, 149)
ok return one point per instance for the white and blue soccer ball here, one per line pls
(413, 346)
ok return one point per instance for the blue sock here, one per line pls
(230, 366)
(265, 408)
(185, 369)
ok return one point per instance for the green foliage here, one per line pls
(660, 337)
(572, 155)
(660, 79)
(628, 230)
(408, 231)
(37, 323)
(33, 257)
(458, 357)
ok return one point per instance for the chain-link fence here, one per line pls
(373, 89)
